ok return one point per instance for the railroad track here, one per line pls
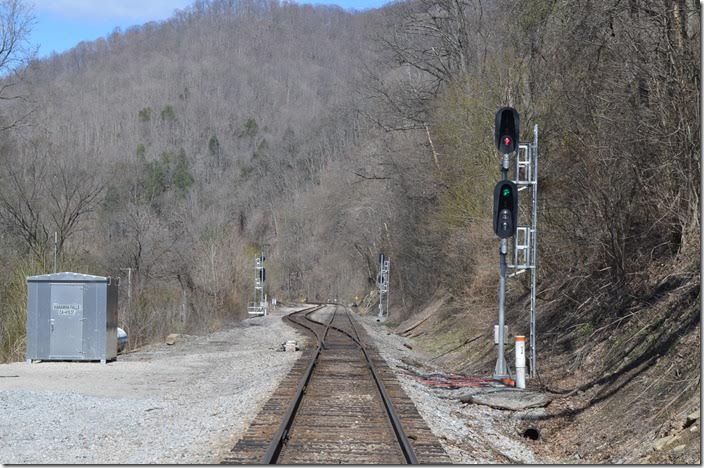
(340, 404)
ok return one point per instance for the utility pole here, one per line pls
(56, 248)
(129, 288)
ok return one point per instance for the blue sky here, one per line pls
(61, 24)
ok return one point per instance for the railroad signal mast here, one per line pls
(525, 247)
(259, 306)
(508, 223)
(382, 282)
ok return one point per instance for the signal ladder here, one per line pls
(524, 253)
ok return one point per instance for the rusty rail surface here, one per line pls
(336, 406)
(279, 439)
(403, 441)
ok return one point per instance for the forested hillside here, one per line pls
(180, 149)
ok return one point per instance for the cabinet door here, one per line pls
(66, 322)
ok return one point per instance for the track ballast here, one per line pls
(344, 405)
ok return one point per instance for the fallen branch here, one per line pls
(415, 325)
(466, 342)
(415, 335)
(370, 177)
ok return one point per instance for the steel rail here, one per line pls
(307, 312)
(279, 439)
(401, 437)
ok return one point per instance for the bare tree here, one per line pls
(41, 196)
(16, 20)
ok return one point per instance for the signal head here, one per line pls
(505, 209)
(506, 131)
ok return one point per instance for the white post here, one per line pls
(520, 361)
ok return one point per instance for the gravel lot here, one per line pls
(186, 403)
(469, 433)
(190, 402)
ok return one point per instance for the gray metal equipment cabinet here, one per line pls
(71, 317)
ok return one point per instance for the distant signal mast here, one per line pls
(259, 306)
(382, 283)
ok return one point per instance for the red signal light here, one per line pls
(507, 141)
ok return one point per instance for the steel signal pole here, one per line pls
(506, 136)
(500, 371)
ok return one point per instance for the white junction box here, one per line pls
(496, 333)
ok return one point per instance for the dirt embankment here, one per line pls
(624, 383)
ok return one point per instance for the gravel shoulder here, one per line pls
(186, 403)
(469, 433)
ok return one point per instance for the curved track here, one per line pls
(338, 405)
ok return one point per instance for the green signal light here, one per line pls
(506, 192)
